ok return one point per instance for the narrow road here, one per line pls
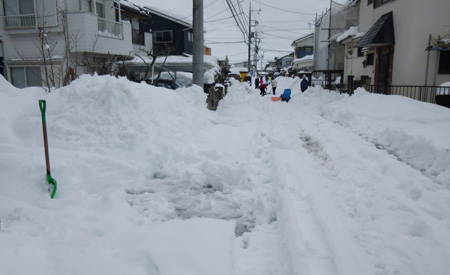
(342, 205)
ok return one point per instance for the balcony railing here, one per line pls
(110, 28)
(20, 21)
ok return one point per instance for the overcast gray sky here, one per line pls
(280, 22)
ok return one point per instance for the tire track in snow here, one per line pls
(365, 204)
(263, 241)
(305, 236)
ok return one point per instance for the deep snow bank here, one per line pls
(415, 132)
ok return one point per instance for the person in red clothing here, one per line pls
(262, 88)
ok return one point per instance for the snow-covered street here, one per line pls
(151, 182)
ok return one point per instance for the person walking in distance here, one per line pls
(304, 84)
(274, 85)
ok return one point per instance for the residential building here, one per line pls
(137, 16)
(241, 64)
(284, 63)
(303, 53)
(400, 42)
(172, 35)
(271, 68)
(48, 42)
(329, 55)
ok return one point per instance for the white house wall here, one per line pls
(414, 20)
(27, 47)
(74, 5)
(85, 27)
(354, 64)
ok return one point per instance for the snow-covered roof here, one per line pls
(165, 14)
(131, 6)
(303, 59)
(352, 32)
(171, 16)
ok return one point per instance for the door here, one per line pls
(384, 70)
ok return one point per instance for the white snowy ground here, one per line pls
(151, 182)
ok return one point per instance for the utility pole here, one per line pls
(329, 38)
(197, 54)
(255, 56)
(249, 36)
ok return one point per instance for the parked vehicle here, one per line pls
(165, 83)
(235, 76)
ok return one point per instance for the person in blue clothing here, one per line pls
(286, 96)
(304, 84)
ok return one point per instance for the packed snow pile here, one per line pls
(152, 182)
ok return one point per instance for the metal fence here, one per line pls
(421, 93)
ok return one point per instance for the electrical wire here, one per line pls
(221, 19)
(238, 19)
(296, 12)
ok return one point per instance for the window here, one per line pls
(19, 13)
(304, 51)
(444, 62)
(100, 9)
(378, 3)
(360, 52)
(370, 59)
(369, 2)
(190, 36)
(162, 37)
(22, 77)
(86, 5)
(137, 37)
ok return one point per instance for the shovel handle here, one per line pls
(42, 106)
(50, 180)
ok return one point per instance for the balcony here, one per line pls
(110, 28)
(23, 21)
(98, 35)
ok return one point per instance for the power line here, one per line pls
(190, 14)
(217, 42)
(296, 12)
(218, 13)
(236, 18)
(221, 19)
(277, 36)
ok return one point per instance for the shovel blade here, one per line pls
(52, 186)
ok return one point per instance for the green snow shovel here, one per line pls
(51, 181)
